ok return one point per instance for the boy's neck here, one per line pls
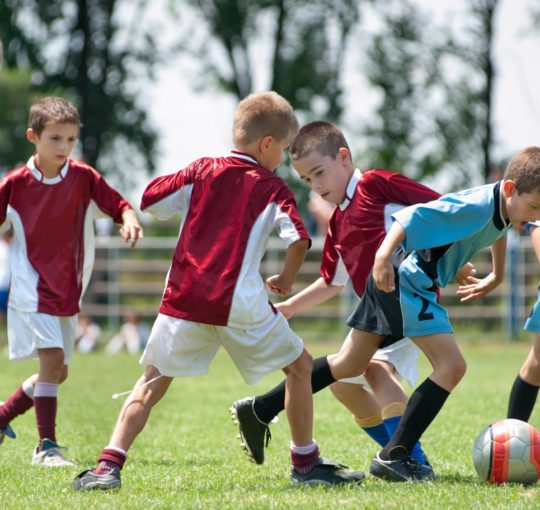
(47, 171)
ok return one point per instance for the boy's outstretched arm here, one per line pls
(318, 292)
(131, 230)
(282, 283)
(383, 270)
(481, 287)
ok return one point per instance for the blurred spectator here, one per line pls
(320, 211)
(132, 336)
(87, 335)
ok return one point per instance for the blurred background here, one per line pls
(440, 91)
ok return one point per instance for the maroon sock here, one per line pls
(304, 463)
(15, 405)
(46, 417)
(109, 459)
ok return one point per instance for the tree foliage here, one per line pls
(89, 50)
(307, 41)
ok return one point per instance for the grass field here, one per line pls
(189, 457)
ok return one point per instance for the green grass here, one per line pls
(188, 455)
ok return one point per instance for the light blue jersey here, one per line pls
(444, 235)
(533, 321)
(447, 232)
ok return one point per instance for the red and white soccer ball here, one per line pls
(508, 451)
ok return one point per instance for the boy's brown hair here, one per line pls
(320, 136)
(52, 110)
(263, 114)
(524, 170)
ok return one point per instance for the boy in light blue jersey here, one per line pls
(443, 235)
(525, 388)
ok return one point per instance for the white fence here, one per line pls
(126, 279)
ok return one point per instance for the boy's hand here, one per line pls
(478, 287)
(383, 274)
(466, 272)
(285, 309)
(131, 231)
(276, 286)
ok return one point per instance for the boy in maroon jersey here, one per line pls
(50, 203)
(214, 294)
(364, 203)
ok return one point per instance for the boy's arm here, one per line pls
(318, 292)
(481, 287)
(282, 283)
(383, 270)
(131, 230)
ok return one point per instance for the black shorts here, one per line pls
(380, 312)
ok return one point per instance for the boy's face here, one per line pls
(326, 176)
(54, 145)
(271, 153)
(521, 208)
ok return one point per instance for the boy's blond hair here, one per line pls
(524, 170)
(52, 110)
(263, 114)
(319, 136)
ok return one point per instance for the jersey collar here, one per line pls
(243, 155)
(47, 180)
(351, 188)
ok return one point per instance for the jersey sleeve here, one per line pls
(107, 199)
(5, 189)
(441, 222)
(288, 223)
(333, 270)
(396, 188)
(167, 195)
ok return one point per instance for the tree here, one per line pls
(434, 115)
(308, 40)
(86, 49)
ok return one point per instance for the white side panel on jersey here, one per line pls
(172, 204)
(390, 209)
(250, 300)
(23, 294)
(93, 212)
(341, 276)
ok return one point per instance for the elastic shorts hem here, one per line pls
(430, 331)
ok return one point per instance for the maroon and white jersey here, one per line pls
(359, 224)
(230, 206)
(52, 251)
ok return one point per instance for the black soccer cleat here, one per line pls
(89, 481)
(401, 467)
(254, 434)
(327, 472)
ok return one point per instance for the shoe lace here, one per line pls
(267, 436)
(413, 465)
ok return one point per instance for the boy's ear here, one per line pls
(509, 187)
(265, 143)
(31, 135)
(344, 154)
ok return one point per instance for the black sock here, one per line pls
(270, 404)
(424, 404)
(522, 400)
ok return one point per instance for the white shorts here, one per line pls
(30, 331)
(178, 347)
(402, 355)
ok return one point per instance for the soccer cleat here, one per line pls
(9, 432)
(254, 433)
(401, 467)
(327, 472)
(89, 481)
(50, 455)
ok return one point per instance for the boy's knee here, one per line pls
(302, 366)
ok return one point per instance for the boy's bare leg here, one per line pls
(386, 387)
(299, 399)
(137, 407)
(526, 385)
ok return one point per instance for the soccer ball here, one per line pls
(508, 451)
